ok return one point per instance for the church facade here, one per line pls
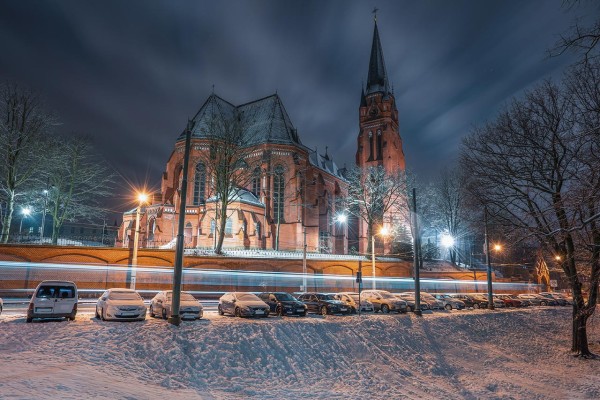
(290, 200)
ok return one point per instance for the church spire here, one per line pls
(377, 79)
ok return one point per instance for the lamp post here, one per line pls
(384, 231)
(24, 214)
(489, 265)
(142, 198)
(44, 215)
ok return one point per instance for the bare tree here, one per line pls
(23, 126)
(79, 180)
(229, 165)
(535, 169)
(374, 195)
(579, 38)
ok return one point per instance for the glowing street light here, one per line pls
(497, 247)
(25, 212)
(142, 199)
(341, 218)
(383, 232)
(447, 240)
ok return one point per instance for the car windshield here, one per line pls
(326, 297)
(284, 297)
(184, 297)
(124, 296)
(353, 297)
(387, 296)
(57, 292)
(247, 297)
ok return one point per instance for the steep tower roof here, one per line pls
(377, 79)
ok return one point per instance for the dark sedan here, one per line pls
(321, 303)
(282, 303)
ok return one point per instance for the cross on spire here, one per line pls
(375, 13)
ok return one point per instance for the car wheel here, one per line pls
(164, 313)
(448, 307)
(411, 308)
(237, 312)
(97, 315)
(220, 310)
(543, 303)
(385, 308)
(151, 311)
(304, 314)
(476, 306)
(323, 310)
(29, 319)
(353, 310)
(72, 316)
(279, 311)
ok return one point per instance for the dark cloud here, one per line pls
(130, 73)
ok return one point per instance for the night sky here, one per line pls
(130, 73)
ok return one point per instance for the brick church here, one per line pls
(294, 189)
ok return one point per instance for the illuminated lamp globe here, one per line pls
(447, 240)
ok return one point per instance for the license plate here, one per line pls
(259, 312)
(343, 309)
(43, 309)
(127, 314)
(300, 310)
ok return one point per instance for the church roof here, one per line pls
(324, 162)
(241, 195)
(377, 79)
(263, 121)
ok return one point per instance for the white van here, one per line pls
(53, 299)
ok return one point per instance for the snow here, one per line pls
(470, 354)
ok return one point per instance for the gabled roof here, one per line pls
(325, 163)
(263, 121)
(377, 79)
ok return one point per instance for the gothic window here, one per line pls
(228, 227)
(199, 184)
(379, 146)
(256, 182)
(213, 226)
(257, 229)
(370, 146)
(278, 193)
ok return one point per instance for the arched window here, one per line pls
(200, 184)
(379, 146)
(213, 226)
(278, 193)
(370, 146)
(257, 229)
(256, 182)
(228, 227)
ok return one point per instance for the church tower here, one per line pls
(379, 141)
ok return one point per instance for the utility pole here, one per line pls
(489, 265)
(44, 212)
(416, 251)
(304, 271)
(175, 318)
(373, 258)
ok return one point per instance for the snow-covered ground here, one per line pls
(521, 354)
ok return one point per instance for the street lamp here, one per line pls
(24, 214)
(489, 264)
(142, 198)
(383, 232)
(45, 191)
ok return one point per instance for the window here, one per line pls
(379, 146)
(257, 228)
(370, 145)
(256, 182)
(228, 227)
(213, 226)
(200, 184)
(278, 193)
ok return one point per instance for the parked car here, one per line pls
(189, 307)
(324, 304)
(562, 301)
(243, 304)
(472, 300)
(385, 302)
(510, 301)
(450, 303)
(537, 300)
(121, 305)
(1, 305)
(497, 302)
(434, 303)
(409, 298)
(281, 303)
(352, 299)
(53, 299)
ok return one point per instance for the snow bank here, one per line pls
(469, 354)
